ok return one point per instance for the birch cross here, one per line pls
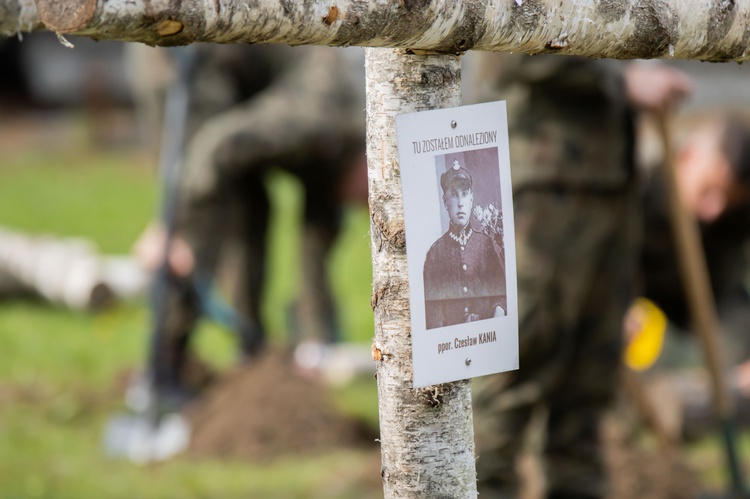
(426, 435)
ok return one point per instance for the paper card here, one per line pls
(460, 242)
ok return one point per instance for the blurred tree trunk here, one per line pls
(620, 29)
(426, 435)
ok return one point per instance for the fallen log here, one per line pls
(66, 271)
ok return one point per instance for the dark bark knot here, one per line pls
(721, 18)
(287, 6)
(439, 76)
(411, 5)
(527, 15)
(655, 29)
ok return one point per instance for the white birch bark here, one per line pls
(622, 29)
(62, 271)
(66, 271)
(426, 435)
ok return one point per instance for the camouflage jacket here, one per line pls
(567, 117)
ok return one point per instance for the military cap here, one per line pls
(456, 174)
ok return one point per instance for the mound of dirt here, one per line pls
(637, 472)
(266, 409)
(643, 474)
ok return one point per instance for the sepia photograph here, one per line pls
(464, 269)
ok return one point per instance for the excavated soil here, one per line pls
(636, 470)
(640, 473)
(267, 409)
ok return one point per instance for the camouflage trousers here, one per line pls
(575, 252)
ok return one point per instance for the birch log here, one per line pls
(427, 438)
(61, 271)
(621, 29)
(66, 271)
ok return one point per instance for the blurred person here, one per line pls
(712, 168)
(463, 275)
(570, 122)
(253, 108)
(713, 177)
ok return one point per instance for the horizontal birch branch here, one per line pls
(717, 30)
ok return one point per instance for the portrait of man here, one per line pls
(464, 275)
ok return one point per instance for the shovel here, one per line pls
(151, 430)
(141, 435)
(702, 308)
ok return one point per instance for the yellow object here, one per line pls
(645, 324)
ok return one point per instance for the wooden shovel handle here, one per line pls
(694, 274)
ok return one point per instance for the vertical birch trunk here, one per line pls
(426, 435)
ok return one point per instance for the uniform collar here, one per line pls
(462, 236)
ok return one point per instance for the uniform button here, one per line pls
(466, 290)
(465, 267)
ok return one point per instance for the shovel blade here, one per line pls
(138, 439)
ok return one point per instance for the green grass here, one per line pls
(57, 378)
(106, 197)
(349, 268)
(50, 455)
(61, 372)
(709, 457)
(45, 344)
